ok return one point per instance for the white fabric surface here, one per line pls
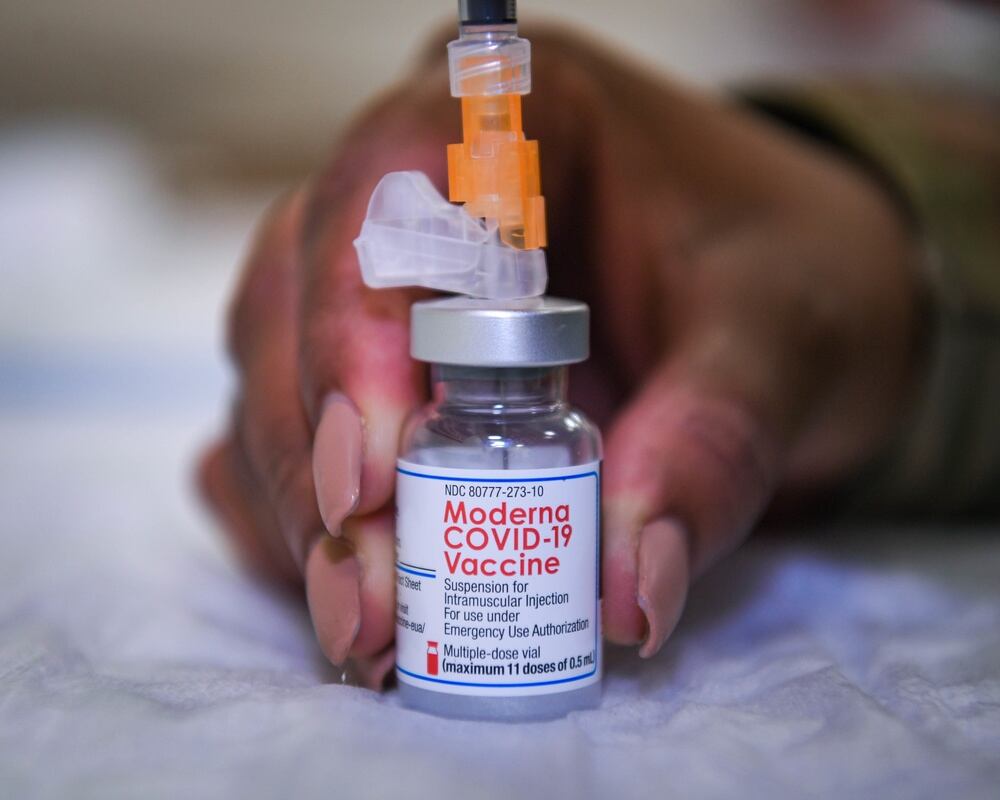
(137, 661)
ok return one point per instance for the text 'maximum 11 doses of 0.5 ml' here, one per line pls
(498, 481)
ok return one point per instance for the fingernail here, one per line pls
(376, 670)
(333, 581)
(337, 461)
(663, 580)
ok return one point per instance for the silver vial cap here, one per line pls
(466, 331)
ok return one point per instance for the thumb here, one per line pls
(689, 466)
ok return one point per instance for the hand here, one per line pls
(754, 314)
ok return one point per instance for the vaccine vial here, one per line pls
(498, 503)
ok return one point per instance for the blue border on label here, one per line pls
(496, 685)
(597, 604)
(401, 568)
(497, 480)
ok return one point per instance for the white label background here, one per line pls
(564, 660)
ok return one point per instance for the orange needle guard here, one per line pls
(494, 171)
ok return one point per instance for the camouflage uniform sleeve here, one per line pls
(938, 153)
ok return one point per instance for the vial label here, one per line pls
(497, 579)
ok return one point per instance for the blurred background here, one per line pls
(139, 141)
(255, 89)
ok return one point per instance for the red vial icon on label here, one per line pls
(432, 657)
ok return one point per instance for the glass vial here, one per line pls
(498, 490)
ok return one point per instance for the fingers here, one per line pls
(696, 456)
(270, 425)
(351, 590)
(688, 470)
(349, 581)
(358, 381)
(324, 369)
(271, 428)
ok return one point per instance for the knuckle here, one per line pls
(735, 448)
(289, 483)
